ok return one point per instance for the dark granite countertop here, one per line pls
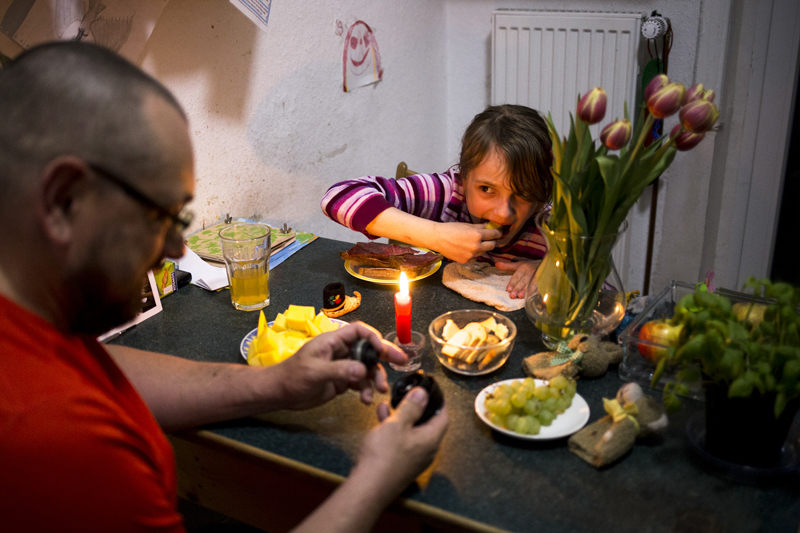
(660, 486)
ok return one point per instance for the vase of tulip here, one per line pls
(595, 185)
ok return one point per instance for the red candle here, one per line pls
(402, 311)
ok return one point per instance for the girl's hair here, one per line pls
(519, 134)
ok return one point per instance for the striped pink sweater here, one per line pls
(440, 197)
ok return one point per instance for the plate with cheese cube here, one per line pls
(272, 342)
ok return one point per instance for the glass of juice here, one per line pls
(246, 249)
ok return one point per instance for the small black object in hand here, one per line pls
(363, 351)
(419, 379)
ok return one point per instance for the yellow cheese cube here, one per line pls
(280, 323)
(268, 341)
(324, 323)
(262, 323)
(290, 345)
(267, 358)
(296, 317)
(252, 350)
(313, 329)
(292, 334)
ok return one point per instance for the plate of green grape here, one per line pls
(533, 409)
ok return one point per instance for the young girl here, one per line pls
(503, 177)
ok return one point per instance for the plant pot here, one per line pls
(745, 431)
(576, 288)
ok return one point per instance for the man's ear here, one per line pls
(63, 185)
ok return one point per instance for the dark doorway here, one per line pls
(785, 263)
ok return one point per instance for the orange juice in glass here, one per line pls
(246, 249)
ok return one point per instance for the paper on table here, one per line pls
(203, 275)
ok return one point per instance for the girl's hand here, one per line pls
(523, 274)
(462, 242)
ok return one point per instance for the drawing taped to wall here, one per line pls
(120, 25)
(361, 59)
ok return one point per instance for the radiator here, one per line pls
(545, 59)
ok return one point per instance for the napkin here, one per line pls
(205, 276)
(481, 282)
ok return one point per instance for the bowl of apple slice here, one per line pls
(472, 342)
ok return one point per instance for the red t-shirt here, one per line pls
(79, 449)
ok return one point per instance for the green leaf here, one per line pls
(740, 388)
(780, 404)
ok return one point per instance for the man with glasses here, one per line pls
(96, 170)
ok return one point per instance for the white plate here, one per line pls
(244, 346)
(564, 425)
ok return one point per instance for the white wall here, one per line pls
(271, 125)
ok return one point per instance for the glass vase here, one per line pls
(576, 288)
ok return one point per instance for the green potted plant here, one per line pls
(747, 354)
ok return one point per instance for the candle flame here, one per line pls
(545, 298)
(403, 284)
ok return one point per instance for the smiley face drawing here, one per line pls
(361, 60)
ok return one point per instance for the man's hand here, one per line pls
(461, 242)
(523, 274)
(396, 451)
(321, 369)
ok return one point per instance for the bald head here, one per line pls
(77, 98)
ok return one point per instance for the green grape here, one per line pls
(511, 421)
(516, 385)
(503, 407)
(521, 425)
(554, 392)
(568, 399)
(491, 405)
(519, 399)
(559, 382)
(546, 417)
(561, 405)
(547, 405)
(533, 425)
(527, 391)
(495, 419)
(529, 383)
(503, 391)
(570, 389)
(532, 407)
(541, 392)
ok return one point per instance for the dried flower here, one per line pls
(617, 134)
(592, 107)
(659, 82)
(685, 140)
(667, 100)
(699, 116)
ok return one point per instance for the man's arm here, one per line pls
(183, 393)
(392, 455)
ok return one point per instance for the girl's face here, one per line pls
(490, 198)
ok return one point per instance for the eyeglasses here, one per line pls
(179, 222)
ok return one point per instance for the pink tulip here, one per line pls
(592, 107)
(697, 92)
(617, 134)
(685, 140)
(659, 82)
(699, 116)
(667, 100)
